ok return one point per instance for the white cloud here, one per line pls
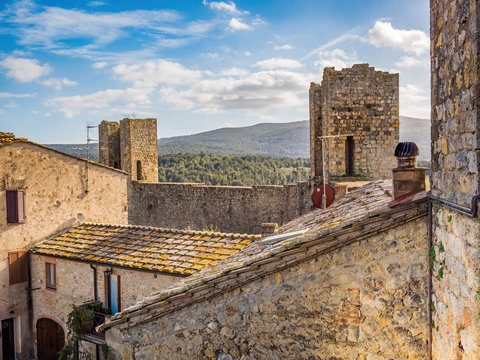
(229, 7)
(247, 53)
(2, 111)
(58, 83)
(13, 95)
(99, 65)
(34, 112)
(414, 101)
(412, 41)
(283, 47)
(409, 62)
(101, 100)
(12, 104)
(152, 73)
(51, 27)
(237, 24)
(96, 3)
(258, 91)
(276, 63)
(233, 72)
(336, 58)
(24, 70)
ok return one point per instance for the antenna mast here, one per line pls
(89, 140)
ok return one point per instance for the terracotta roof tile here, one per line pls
(144, 247)
(361, 214)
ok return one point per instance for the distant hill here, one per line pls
(267, 139)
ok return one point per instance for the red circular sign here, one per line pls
(317, 195)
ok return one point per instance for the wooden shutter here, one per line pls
(15, 206)
(18, 267)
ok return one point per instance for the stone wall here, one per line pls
(456, 284)
(455, 99)
(75, 285)
(367, 300)
(130, 145)
(56, 198)
(361, 102)
(455, 90)
(109, 143)
(225, 208)
(138, 148)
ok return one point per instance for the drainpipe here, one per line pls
(95, 288)
(429, 286)
(30, 302)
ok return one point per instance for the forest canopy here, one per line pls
(213, 169)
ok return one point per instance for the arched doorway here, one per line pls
(50, 339)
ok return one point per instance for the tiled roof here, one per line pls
(179, 252)
(361, 214)
(6, 137)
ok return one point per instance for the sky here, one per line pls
(195, 65)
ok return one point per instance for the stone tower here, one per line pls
(130, 145)
(455, 181)
(361, 104)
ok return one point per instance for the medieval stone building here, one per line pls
(130, 145)
(43, 191)
(354, 112)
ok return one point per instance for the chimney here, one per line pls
(407, 177)
(269, 228)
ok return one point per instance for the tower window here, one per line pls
(139, 170)
(349, 156)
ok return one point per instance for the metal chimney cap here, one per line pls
(406, 149)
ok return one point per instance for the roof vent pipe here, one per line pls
(407, 177)
(406, 154)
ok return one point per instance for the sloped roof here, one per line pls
(172, 251)
(361, 214)
(10, 140)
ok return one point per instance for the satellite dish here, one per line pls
(317, 195)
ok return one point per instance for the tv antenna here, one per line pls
(324, 140)
(89, 140)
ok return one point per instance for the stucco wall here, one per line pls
(364, 301)
(228, 208)
(55, 187)
(75, 285)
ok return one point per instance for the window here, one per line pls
(15, 206)
(139, 170)
(350, 156)
(18, 267)
(50, 275)
(113, 292)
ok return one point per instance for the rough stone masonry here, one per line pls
(455, 48)
(360, 103)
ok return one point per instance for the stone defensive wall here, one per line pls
(240, 209)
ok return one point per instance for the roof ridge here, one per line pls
(184, 231)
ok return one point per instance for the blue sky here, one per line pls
(195, 65)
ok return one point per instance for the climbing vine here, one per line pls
(80, 321)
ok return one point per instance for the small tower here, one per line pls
(131, 146)
(109, 143)
(357, 108)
